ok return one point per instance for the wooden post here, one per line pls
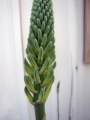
(87, 32)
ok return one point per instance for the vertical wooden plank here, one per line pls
(87, 32)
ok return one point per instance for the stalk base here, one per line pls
(39, 111)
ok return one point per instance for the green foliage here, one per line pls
(40, 61)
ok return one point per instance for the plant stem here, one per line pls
(39, 111)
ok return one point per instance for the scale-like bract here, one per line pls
(40, 61)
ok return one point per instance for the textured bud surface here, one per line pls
(40, 61)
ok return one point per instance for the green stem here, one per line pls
(39, 111)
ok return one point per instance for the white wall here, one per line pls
(13, 104)
(81, 77)
(84, 69)
(69, 28)
(63, 68)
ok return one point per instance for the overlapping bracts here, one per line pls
(40, 61)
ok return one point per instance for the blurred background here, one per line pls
(71, 71)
